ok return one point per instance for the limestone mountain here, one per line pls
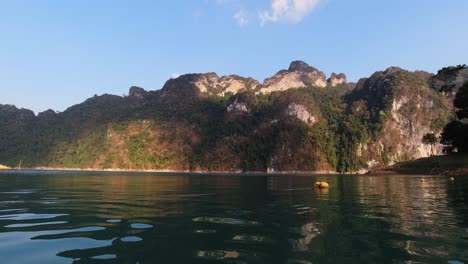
(295, 121)
(336, 79)
(190, 85)
(299, 74)
(395, 109)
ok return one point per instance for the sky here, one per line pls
(56, 53)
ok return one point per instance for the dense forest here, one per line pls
(346, 127)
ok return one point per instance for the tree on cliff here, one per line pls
(430, 139)
(456, 132)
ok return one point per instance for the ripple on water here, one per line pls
(35, 224)
(89, 229)
(218, 254)
(66, 233)
(113, 221)
(141, 226)
(30, 216)
(131, 239)
(12, 210)
(106, 256)
(221, 220)
(190, 195)
(455, 262)
(205, 231)
(19, 192)
(298, 261)
(249, 238)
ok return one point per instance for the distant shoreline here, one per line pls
(450, 165)
(45, 169)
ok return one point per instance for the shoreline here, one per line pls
(45, 169)
(449, 165)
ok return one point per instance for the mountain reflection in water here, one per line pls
(140, 218)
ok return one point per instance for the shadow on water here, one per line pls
(86, 218)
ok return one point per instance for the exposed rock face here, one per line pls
(209, 83)
(413, 127)
(188, 85)
(299, 74)
(237, 106)
(410, 109)
(450, 79)
(336, 79)
(235, 84)
(137, 92)
(301, 113)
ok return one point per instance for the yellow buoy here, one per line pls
(321, 185)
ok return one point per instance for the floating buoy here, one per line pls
(452, 179)
(321, 185)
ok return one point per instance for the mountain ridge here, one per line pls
(203, 122)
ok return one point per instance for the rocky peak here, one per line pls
(299, 75)
(137, 92)
(300, 66)
(448, 80)
(209, 83)
(187, 85)
(47, 113)
(336, 79)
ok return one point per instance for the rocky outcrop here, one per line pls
(448, 80)
(301, 113)
(336, 79)
(46, 114)
(408, 109)
(208, 83)
(237, 106)
(235, 84)
(137, 92)
(299, 74)
(18, 115)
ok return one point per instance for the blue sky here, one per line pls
(56, 53)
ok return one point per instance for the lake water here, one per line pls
(69, 217)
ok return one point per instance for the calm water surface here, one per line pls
(66, 217)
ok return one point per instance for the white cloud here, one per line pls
(288, 10)
(242, 17)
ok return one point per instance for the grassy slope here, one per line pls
(456, 164)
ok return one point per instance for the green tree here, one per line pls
(430, 139)
(455, 133)
(461, 102)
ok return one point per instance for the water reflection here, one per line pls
(230, 219)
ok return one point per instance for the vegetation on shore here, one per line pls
(455, 164)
